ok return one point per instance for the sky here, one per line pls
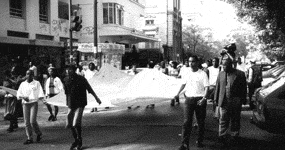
(217, 15)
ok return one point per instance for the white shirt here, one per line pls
(241, 67)
(89, 74)
(58, 86)
(32, 90)
(183, 71)
(196, 82)
(213, 75)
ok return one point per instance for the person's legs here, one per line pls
(55, 113)
(69, 123)
(50, 112)
(35, 125)
(27, 114)
(77, 124)
(235, 117)
(223, 122)
(188, 118)
(201, 116)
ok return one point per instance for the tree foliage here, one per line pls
(268, 18)
(197, 43)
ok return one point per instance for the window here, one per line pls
(16, 8)
(43, 4)
(63, 10)
(149, 22)
(113, 13)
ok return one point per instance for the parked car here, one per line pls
(270, 106)
(272, 74)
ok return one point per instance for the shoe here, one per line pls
(79, 144)
(54, 119)
(50, 117)
(172, 102)
(152, 105)
(183, 147)
(28, 142)
(92, 110)
(15, 126)
(73, 145)
(130, 107)
(10, 129)
(177, 100)
(39, 137)
(199, 144)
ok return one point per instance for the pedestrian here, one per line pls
(163, 68)
(30, 92)
(230, 94)
(89, 73)
(75, 87)
(34, 68)
(240, 65)
(80, 70)
(213, 75)
(196, 86)
(10, 102)
(254, 80)
(53, 86)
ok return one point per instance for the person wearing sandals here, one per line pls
(53, 86)
(30, 92)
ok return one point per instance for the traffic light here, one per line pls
(77, 23)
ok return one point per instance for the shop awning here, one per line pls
(125, 35)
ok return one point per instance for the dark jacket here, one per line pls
(75, 89)
(238, 88)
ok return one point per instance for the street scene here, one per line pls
(142, 74)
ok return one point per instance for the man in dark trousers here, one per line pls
(75, 87)
(229, 96)
(196, 84)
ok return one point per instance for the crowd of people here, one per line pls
(33, 87)
(225, 82)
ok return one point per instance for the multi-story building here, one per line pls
(34, 30)
(163, 20)
(118, 21)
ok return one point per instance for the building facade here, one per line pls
(164, 21)
(118, 22)
(34, 30)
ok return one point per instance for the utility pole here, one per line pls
(96, 33)
(70, 31)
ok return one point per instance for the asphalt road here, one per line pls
(140, 128)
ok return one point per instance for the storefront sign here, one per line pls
(86, 47)
(106, 48)
(111, 48)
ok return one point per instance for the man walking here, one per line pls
(75, 87)
(196, 84)
(230, 94)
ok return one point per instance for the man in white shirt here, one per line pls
(240, 66)
(196, 84)
(91, 71)
(213, 74)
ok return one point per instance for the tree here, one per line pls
(194, 37)
(268, 18)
